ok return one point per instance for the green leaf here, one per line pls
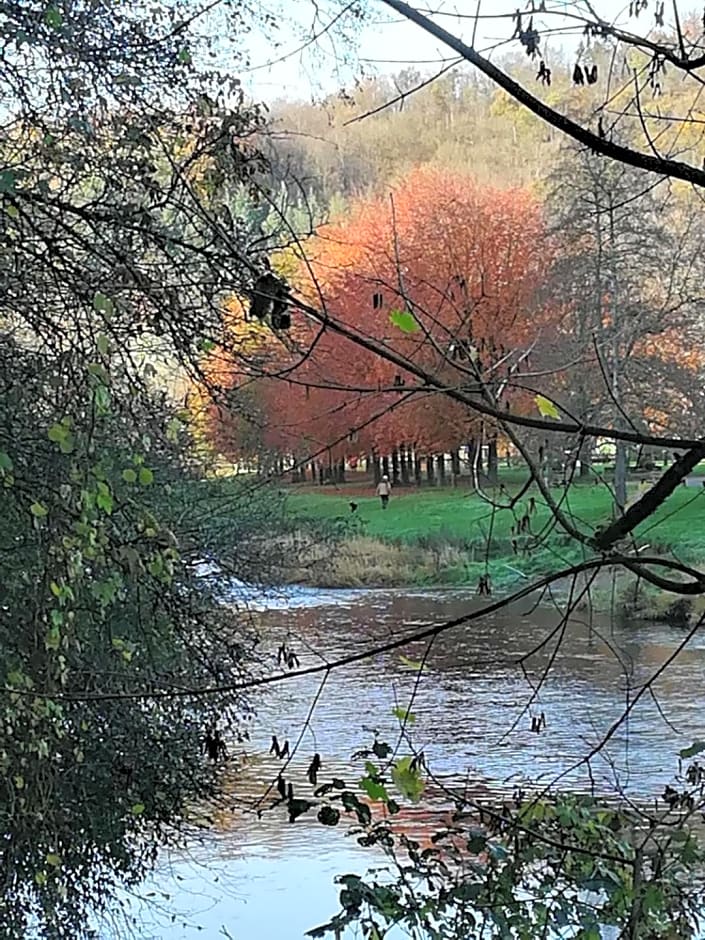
(99, 371)
(53, 17)
(8, 181)
(38, 510)
(103, 344)
(546, 407)
(103, 304)
(404, 716)
(60, 434)
(146, 476)
(104, 498)
(137, 809)
(697, 747)
(172, 430)
(129, 475)
(375, 790)
(411, 663)
(101, 396)
(477, 841)
(5, 461)
(404, 321)
(206, 345)
(184, 57)
(52, 640)
(407, 779)
(53, 859)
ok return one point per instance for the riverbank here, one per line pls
(451, 537)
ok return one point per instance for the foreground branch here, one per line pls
(599, 144)
(651, 500)
(482, 407)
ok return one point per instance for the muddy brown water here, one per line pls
(253, 878)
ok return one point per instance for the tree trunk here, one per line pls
(492, 461)
(455, 465)
(395, 466)
(621, 461)
(441, 462)
(341, 471)
(321, 474)
(430, 477)
(585, 458)
(417, 469)
(474, 458)
(376, 468)
(405, 457)
(385, 466)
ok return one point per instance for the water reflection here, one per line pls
(262, 878)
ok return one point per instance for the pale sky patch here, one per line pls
(386, 44)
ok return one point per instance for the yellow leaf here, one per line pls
(411, 663)
(546, 407)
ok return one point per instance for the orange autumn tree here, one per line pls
(441, 270)
(457, 265)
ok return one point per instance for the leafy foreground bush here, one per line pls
(537, 866)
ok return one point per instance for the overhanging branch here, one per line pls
(643, 161)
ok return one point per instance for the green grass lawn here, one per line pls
(456, 516)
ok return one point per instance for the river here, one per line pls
(251, 878)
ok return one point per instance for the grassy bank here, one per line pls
(447, 536)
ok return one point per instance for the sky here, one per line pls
(388, 44)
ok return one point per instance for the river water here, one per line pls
(252, 878)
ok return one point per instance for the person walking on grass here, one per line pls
(384, 490)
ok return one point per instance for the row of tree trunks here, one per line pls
(404, 466)
(318, 473)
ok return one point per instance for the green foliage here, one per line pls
(412, 664)
(519, 867)
(404, 321)
(372, 784)
(407, 779)
(697, 747)
(583, 864)
(106, 292)
(99, 599)
(404, 716)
